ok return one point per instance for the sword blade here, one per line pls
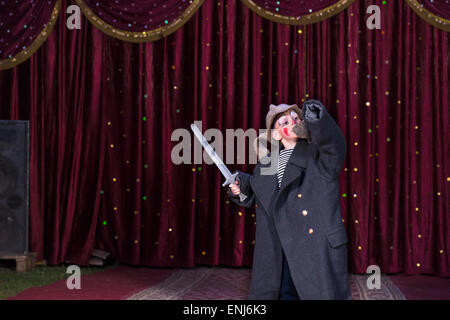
(211, 153)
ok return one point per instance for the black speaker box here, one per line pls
(14, 185)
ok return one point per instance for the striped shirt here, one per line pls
(282, 162)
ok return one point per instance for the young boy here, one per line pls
(301, 243)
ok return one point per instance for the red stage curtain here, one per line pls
(102, 112)
(60, 90)
(390, 92)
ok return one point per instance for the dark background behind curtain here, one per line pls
(102, 112)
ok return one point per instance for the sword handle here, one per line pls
(242, 197)
(232, 180)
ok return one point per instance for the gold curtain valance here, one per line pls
(428, 16)
(35, 45)
(142, 36)
(306, 19)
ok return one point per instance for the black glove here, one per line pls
(312, 110)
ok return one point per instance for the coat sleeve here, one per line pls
(326, 135)
(244, 181)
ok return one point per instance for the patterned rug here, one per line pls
(360, 291)
(217, 283)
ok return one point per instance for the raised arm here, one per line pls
(327, 136)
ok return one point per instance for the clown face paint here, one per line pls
(286, 122)
(294, 116)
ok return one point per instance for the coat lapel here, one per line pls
(266, 186)
(296, 166)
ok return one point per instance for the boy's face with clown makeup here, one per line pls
(282, 127)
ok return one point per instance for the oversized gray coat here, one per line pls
(302, 217)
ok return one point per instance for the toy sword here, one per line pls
(230, 178)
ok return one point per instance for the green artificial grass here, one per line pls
(12, 283)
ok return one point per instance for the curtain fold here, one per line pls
(24, 27)
(102, 113)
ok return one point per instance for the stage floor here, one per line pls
(214, 283)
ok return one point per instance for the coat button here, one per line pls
(304, 212)
(310, 231)
(299, 195)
